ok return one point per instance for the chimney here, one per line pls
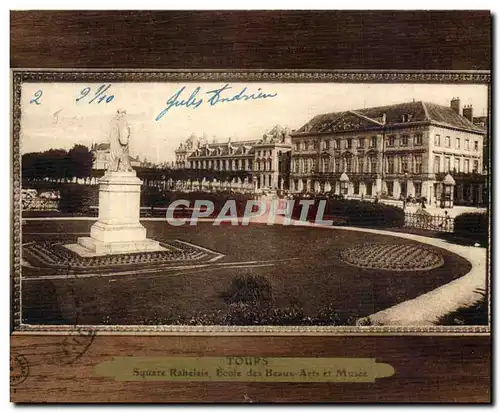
(455, 104)
(467, 112)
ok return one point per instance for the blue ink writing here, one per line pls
(213, 97)
(98, 95)
(175, 101)
(35, 99)
(241, 95)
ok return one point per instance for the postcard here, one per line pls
(249, 203)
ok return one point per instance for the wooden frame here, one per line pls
(48, 358)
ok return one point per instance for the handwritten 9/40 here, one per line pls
(87, 94)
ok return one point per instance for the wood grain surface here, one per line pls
(445, 40)
(428, 369)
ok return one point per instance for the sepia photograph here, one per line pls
(245, 204)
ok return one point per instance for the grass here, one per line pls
(301, 264)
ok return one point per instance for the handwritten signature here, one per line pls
(213, 97)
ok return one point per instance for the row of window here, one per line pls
(263, 153)
(404, 164)
(456, 165)
(356, 185)
(394, 164)
(334, 143)
(369, 188)
(353, 143)
(404, 140)
(347, 165)
(237, 164)
(264, 164)
(264, 181)
(404, 188)
(219, 151)
(260, 153)
(447, 143)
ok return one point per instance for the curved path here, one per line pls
(427, 309)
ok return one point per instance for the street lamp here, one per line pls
(404, 193)
(344, 182)
(447, 194)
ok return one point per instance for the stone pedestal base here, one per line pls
(118, 229)
(108, 232)
(88, 246)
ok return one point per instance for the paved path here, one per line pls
(428, 308)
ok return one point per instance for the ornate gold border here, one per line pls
(20, 76)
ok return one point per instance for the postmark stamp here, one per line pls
(78, 341)
(19, 368)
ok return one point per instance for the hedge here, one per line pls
(473, 226)
(356, 213)
(78, 199)
(154, 197)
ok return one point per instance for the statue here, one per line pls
(119, 136)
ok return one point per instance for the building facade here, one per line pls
(391, 151)
(266, 160)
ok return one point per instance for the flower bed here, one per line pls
(57, 256)
(396, 257)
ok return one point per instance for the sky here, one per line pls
(57, 120)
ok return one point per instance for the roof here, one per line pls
(211, 149)
(415, 111)
(234, 143)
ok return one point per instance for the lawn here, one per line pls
(301, 264)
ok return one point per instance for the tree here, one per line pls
(80, 162)
(52, 164)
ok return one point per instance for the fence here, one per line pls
(429, 222)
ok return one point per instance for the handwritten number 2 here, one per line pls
(37, 97)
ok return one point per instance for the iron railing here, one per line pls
(429, 222)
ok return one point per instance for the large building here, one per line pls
(267, 160)
(391, 151)
(483, 123)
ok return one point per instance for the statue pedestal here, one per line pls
(118, 229)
